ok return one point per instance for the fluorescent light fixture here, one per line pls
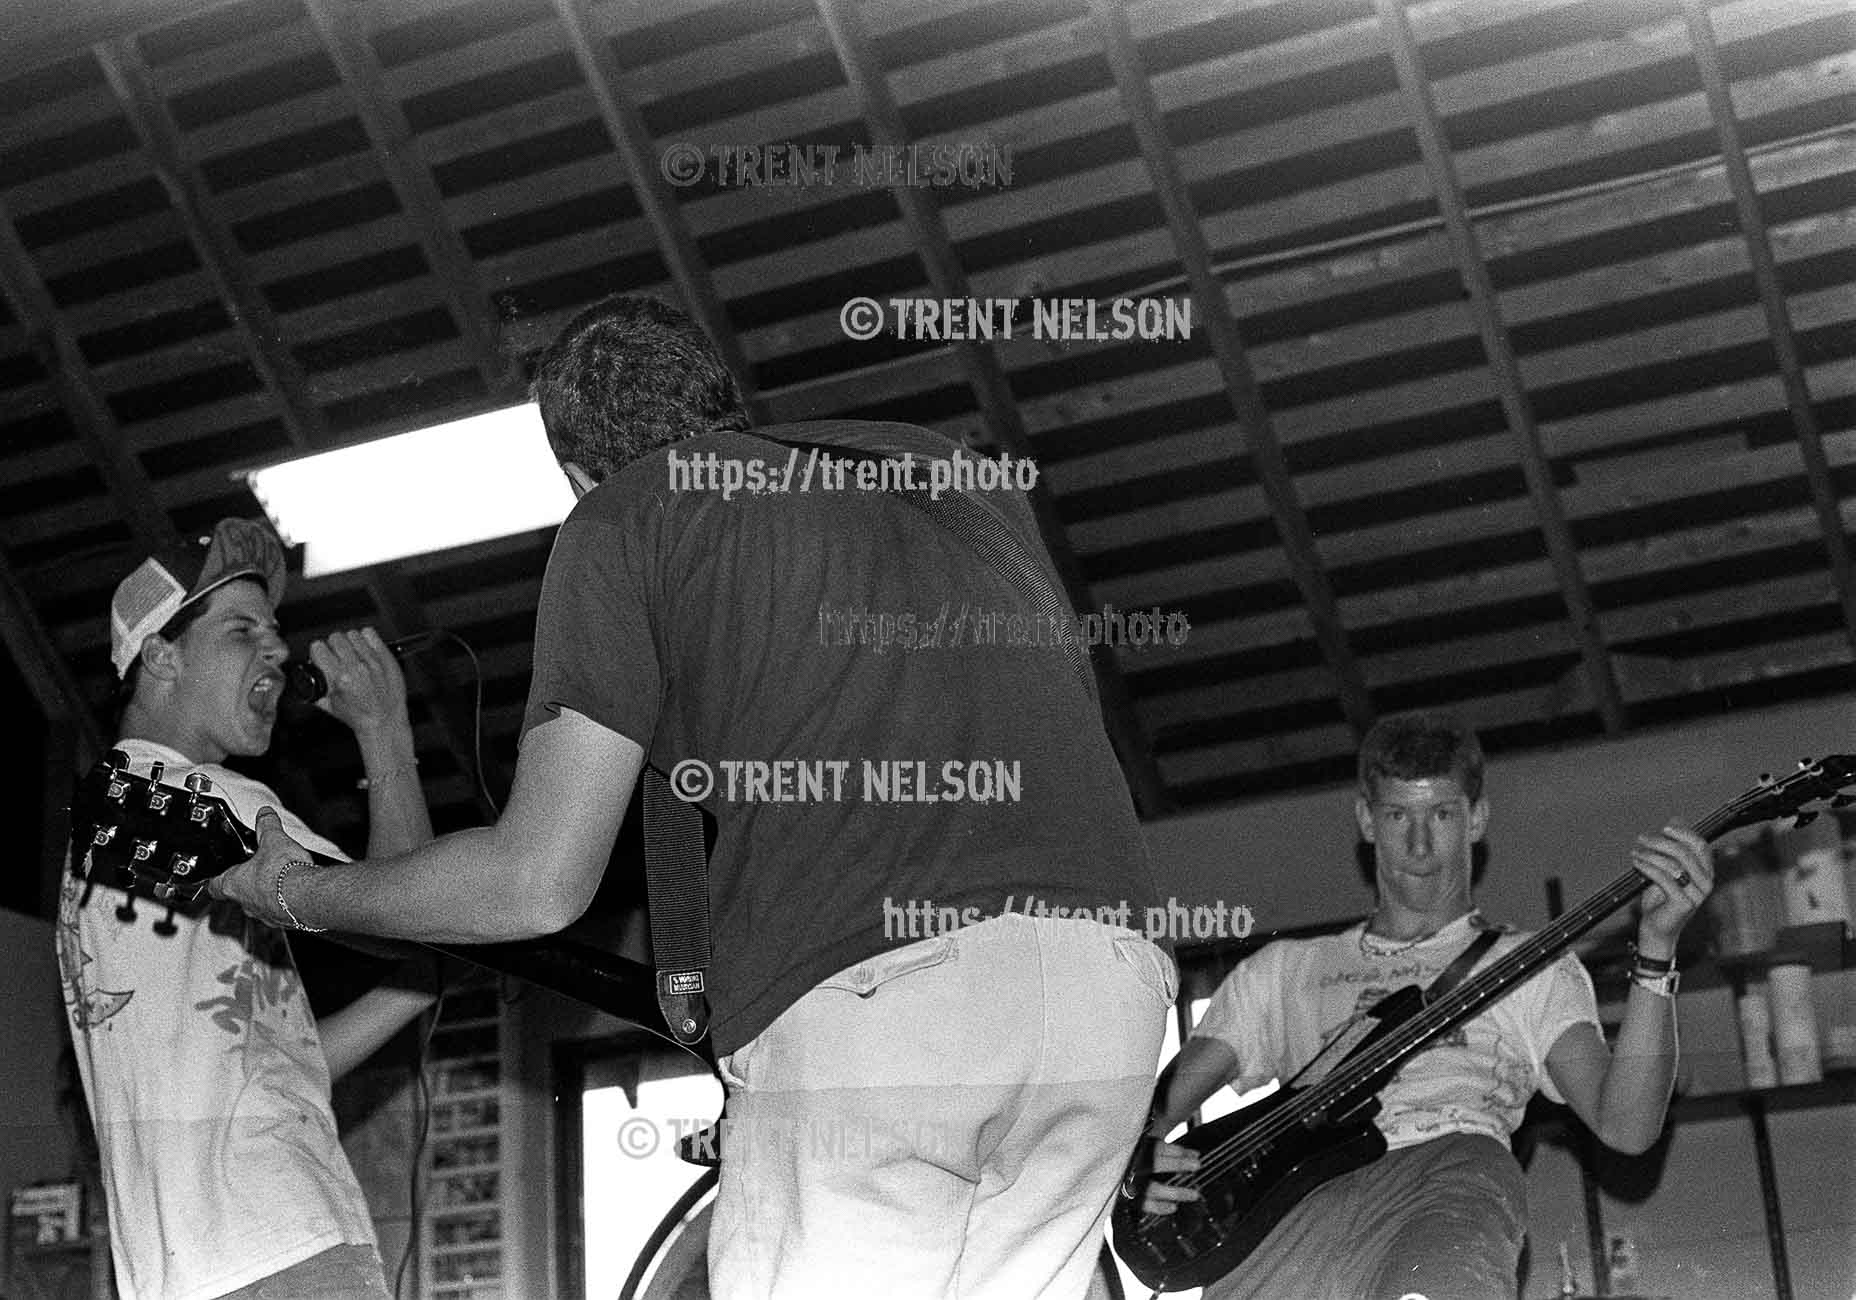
(450, 485)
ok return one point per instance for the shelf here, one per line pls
(1825, 946)
(1836, 1088)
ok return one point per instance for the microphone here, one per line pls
(305, 683)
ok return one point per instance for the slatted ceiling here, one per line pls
(1361, 433)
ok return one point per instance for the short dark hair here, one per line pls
(629, 375)
(1414, 746)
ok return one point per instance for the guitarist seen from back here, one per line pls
(1442, 1214)
(206, 1074)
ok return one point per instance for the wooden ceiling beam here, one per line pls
(40, 32)
(986, 377)
(54, 343)
(688, 269)
(1778, 314)
(1240, 380)
(262, 339)
(46, 674)
(384, 119)
(1498, 348)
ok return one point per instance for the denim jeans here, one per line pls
(1442, 1220)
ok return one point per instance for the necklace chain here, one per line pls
(1377, 950)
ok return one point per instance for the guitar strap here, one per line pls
(1465, 962)
(676, 856)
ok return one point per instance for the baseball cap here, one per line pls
(163, 585)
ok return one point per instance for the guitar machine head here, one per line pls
(158, 841)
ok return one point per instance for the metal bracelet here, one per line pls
(284, 906)
(1663, 984)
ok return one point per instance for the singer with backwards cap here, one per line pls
(207, 1076)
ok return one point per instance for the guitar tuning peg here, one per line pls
(165, 927)
(1803, 763)
(199, 782)
(1765, 778)
(183, 864)
(127, 911)
(116, 760)
(154, 773)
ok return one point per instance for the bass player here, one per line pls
(1441, 1216)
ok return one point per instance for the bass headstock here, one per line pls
(1816, 787)
(162, 841)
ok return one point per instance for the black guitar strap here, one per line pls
(676, 858)
(1465, 962)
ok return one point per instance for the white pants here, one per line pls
(947, 1119)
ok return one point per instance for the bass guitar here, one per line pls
(163, 843)
(1257, 1163)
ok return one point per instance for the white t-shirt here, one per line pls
(206, 1080)
(1282, 1003)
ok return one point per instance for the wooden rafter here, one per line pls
(387, 129)
(625, 124)
(55, 344)
(262, 340)
(1240, 381)
(1498, 348)
(46, 674)
(1778, 316)
(987, 379)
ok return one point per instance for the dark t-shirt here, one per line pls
(713, 629)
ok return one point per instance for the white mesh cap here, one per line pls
(163, 585)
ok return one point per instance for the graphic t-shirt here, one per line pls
(1284, 1002)
(206, 1080)
(715, 628)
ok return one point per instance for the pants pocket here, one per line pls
(871, 974)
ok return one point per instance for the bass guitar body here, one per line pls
(1254, 1185)
(1201, 1241)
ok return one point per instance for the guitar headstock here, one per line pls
(168, 840)
(1817, 786)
